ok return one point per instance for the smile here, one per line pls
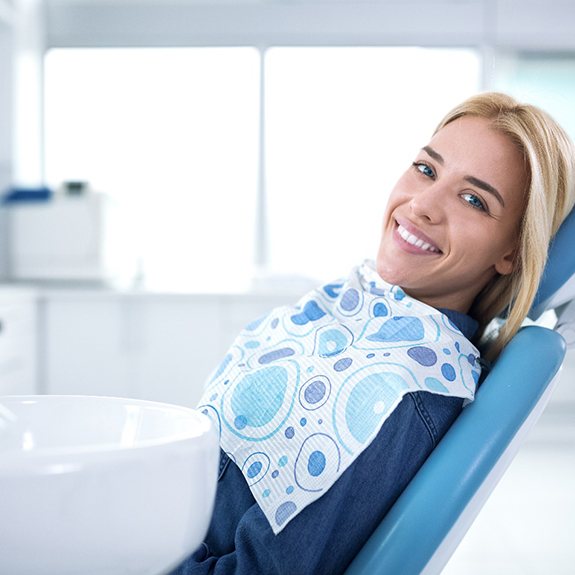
(415, 241)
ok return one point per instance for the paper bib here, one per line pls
(303, 391)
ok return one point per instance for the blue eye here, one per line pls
(474, 201)
(424, 169)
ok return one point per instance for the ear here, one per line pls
(506, 263)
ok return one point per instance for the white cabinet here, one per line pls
(160, 347)
(177, 344)
(84, 346)
(18, 349)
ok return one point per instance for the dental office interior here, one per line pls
(171, 170)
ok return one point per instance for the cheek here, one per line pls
(395, 198)
(387, 215)
(486, 246)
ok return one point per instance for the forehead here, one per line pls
(476, 141)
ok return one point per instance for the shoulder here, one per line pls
(410, 432)
(436, 412)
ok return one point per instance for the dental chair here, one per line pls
(428, 521)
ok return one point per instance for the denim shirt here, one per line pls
(326, 536)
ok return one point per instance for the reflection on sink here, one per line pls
(100, 485)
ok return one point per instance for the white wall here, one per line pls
(534, 24)
(28, 30)
(489, 25)
(6, 120)
(5, 105)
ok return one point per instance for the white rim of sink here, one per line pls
(43, 459)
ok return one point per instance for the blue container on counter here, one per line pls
(20, 195)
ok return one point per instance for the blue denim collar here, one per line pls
(465, 323)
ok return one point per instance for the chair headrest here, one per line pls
(558, 282)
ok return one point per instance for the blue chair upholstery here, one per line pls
(413, 534)
(427, 522)
(559, 269)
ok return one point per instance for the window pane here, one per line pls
(171, 134)
(341, 125)
(546, 80)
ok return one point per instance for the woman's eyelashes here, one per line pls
(424, 169)
(475, 202)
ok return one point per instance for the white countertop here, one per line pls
(78, 291)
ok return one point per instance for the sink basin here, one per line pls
(102, 485)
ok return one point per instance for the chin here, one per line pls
(386, 274)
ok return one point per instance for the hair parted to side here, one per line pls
(550, 163)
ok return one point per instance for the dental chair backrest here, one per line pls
(430, 518)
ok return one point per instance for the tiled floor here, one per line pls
(527, 526)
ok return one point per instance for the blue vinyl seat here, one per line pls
(430, 518)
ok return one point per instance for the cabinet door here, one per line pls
(180, 347)
(155, 347)
(88, 347)
(18, 349)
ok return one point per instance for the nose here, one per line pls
(429, 204)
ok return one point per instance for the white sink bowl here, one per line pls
(102, 486)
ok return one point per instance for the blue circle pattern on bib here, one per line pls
(303, 391)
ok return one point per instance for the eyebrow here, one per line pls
(471, 179)
(433, 154)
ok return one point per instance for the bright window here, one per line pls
(546, 80)
(172, 135)
(342, 125)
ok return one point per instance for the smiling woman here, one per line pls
(447, 231)
(328, 408)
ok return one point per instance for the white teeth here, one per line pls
(414, 240)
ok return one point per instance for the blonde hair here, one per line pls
(550, 161)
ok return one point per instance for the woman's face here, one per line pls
(452, 220)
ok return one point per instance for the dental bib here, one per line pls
(303, 391)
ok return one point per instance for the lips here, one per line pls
(413, 239)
